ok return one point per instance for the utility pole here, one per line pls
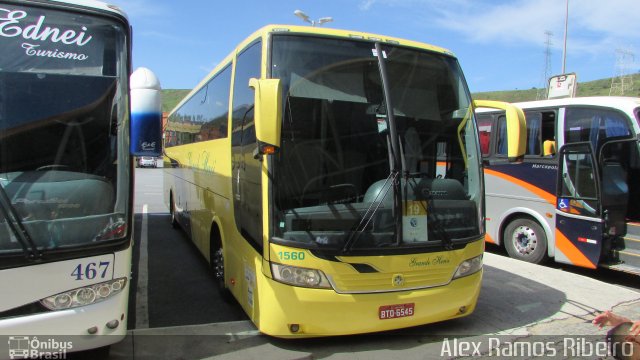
(564, 48)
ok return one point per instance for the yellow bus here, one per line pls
(317, 206)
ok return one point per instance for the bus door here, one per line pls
(618, 166)
(579, 223)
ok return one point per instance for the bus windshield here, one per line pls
(63, 160)
(339, 183)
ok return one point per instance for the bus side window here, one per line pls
(534, 127)
(596, 125)
(485, 127)
(548, 133)
(540, 134)
(503, 139)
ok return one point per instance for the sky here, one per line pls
(500, 44)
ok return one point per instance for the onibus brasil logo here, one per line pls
(30, 347)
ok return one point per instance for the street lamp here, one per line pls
(566, 30)
(305, 17)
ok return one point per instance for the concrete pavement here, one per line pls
(518, 301)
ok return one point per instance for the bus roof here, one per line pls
(263, 32)
(345, 34)
(93, 4)
(620, 102)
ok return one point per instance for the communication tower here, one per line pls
(544, 90)
(623, 80)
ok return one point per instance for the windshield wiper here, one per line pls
(394, 142)
(16, 226)
(371, 210)
(395, 157)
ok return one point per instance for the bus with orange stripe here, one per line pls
(572, 198)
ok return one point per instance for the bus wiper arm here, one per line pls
(16, 225)
(394, 140)
(371, 211)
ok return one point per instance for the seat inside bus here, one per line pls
(78, 203)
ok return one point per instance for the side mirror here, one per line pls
(146, 114)
(516, 127)
(267, 114)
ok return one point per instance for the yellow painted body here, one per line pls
(326, 312)
(199, 178)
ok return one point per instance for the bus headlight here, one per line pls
(85, 295)
(298, 276)
(468, 267)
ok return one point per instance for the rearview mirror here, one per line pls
(516, 127)
(267, 114)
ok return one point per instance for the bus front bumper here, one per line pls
(289, 311)
(84, 328)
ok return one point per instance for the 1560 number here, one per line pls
(291, 255)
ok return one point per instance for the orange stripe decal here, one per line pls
(534, 189)
(489, 239)
(571, 252)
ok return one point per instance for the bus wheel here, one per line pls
(217, 265)
(524, 239)
(172, 211)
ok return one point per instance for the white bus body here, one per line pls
(66, 172)
(533, 208)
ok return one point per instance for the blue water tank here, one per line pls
(146, 113)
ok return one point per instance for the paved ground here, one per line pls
(520, 302)
(544, 309)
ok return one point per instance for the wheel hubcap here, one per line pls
(524, 240)
(218, 265)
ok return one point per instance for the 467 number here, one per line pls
(91, 270)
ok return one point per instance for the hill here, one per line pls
(590, 88)
(171, 97)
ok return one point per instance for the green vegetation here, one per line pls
(589, 88)
(171, 97)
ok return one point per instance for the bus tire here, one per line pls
(172, 211)
(524, 239)
(217, 267)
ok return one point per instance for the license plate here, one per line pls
(395, 311)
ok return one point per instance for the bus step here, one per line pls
(627, 258)
(633, 230)
(623, 267)
(631, 240)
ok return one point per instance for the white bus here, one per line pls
(573, 198)
(67, 140)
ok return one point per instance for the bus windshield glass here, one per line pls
(339, 182)
(63, 160)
